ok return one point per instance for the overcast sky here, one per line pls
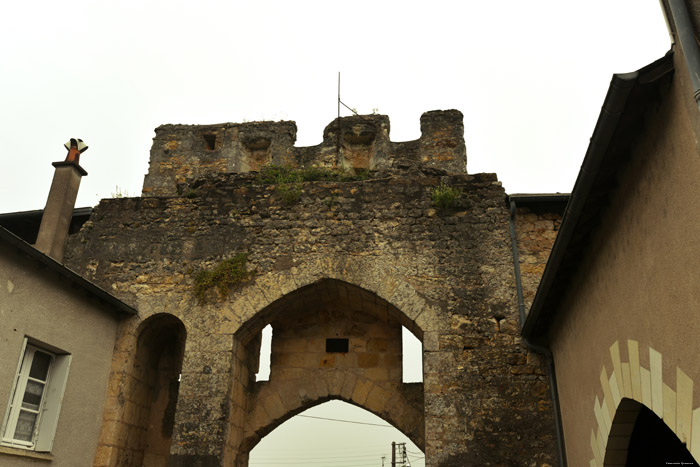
(529, 76)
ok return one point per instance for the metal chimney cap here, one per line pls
(77, 143)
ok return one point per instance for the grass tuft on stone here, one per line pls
(289, 180)
(225, 275)
(445, 196)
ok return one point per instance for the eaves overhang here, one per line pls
(72, 277)
(539, 200)
(620, 122)
(25, 224)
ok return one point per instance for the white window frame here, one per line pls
(50, 405)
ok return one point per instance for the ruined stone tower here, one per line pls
(337, 246)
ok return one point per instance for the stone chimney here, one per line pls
(58, 212)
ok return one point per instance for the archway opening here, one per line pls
(324, 301)
(330, 340)
(653, 443)
(152, 400)
(639, 437)
(336, 433)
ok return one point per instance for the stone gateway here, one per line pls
(340, 244)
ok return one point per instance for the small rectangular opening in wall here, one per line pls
(210, 141)
(337, 345)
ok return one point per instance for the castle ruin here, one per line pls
(337, 262)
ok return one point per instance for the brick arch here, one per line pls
(629, 387)
(305, 373)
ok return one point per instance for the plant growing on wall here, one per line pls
(445, 196)
(119, 192)
(288, 180)
(225, 275)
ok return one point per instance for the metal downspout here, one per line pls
(686, 36)
(554, 392)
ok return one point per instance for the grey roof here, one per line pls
(74, 278)
(25, 224)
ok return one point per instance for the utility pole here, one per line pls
(403, 457)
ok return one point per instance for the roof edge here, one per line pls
(611, 112)
(53, 265)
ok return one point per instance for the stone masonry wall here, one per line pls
(182, 152)
(361, 246)
(536, 231)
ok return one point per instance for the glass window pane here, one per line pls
(40, 365)
(25, 426)
(32, 395)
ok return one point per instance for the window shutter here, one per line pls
(52, 404)
(6, 429)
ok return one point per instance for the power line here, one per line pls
(316, 458)
(365, 448)
(346, 421)
(336, 463)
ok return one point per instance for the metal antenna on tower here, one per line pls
(341, 102)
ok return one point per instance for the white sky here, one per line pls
(529, 76)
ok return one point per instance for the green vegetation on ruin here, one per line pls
(289, 180)
(445, 196)
(225, 275)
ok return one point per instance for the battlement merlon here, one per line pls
(185, 152)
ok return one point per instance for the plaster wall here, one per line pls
(638, 281)
(35, 303)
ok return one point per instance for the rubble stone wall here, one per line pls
(182, 152)
(536, 230)
(374, 253)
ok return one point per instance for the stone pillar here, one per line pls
(203, 405)
(442, 140)
(58, 212)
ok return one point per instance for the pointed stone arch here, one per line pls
(375, 276)
(139, 415)
(305, 373)
(400, 415)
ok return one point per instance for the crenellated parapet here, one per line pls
(186, 152)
